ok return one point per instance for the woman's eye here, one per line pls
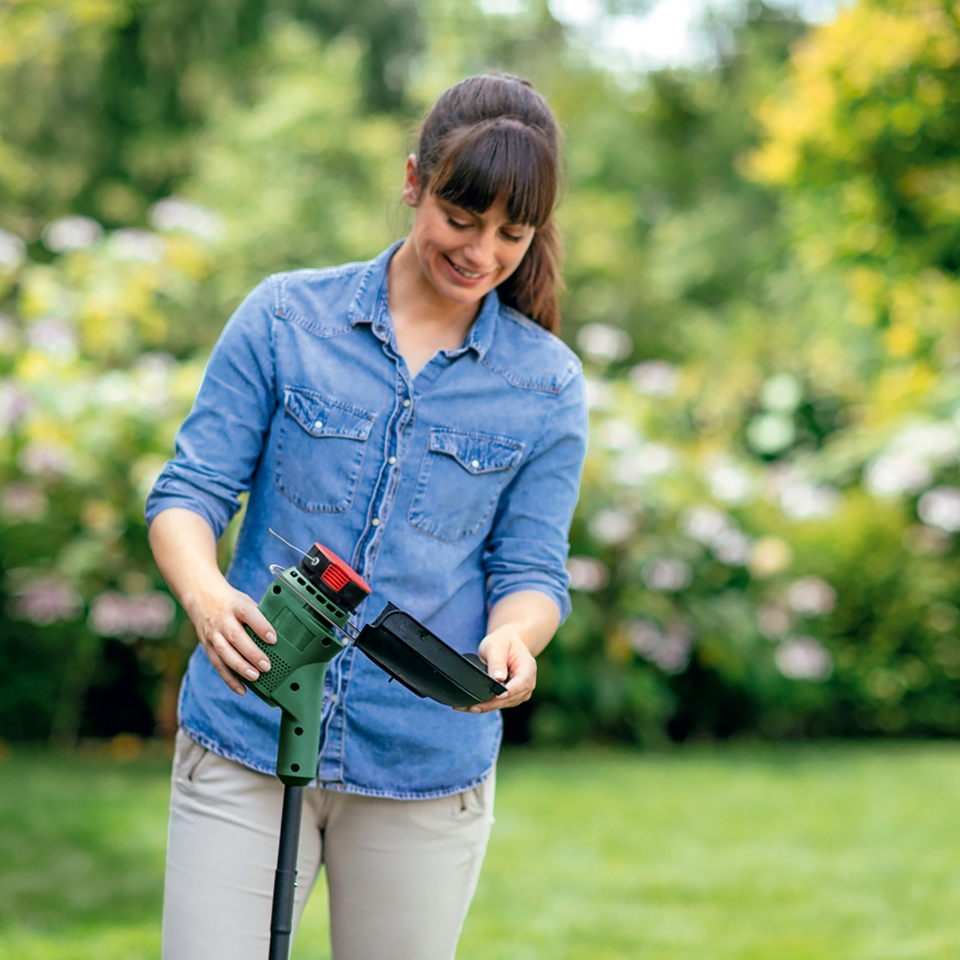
(457, 224)
(514, 237)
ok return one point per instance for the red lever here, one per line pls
(334, 578)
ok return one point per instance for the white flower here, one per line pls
(55, 338)
(587, 574)
(667, 574)
(611, 526)
(719, 531)
(771, 433)
(670, 651)
(733, 548)
(940, 507)
(804, 658)
(773, 621)
(619, 435)
(13, 250)
(938, 442)
(150, 380)
(71, 233)
(14, 403)
(891, 474)
(782, 392)
(598, 393)
(603, 343)
(802, 500)
(657, 458)
(705, 524)
(173, 213)
(136, 246)
(811, 596)
(655, 378)
(729, 483)
(114, 615)
(113, 389)
(653, 459)
(906, 466)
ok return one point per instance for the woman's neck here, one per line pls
(424, 321)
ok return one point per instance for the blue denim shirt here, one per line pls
(446, 492)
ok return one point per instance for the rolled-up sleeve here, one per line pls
(219, 444)
(527, 546)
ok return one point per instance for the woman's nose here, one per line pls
(481, 249)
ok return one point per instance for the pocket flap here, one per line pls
(476, 452)
(322, 417)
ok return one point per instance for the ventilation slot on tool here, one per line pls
(334, 577)
(279, 668)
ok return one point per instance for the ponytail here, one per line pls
(532, 287)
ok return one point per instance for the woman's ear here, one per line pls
(411, 182)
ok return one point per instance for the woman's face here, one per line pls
(463, 255)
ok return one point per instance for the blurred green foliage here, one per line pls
(762, 258)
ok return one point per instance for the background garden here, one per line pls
(762, 279)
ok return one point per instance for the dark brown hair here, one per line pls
(494, 136)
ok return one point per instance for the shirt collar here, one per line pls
(369, 306)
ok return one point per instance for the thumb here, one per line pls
(495, 657)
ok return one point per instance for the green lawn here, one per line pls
(846, 852)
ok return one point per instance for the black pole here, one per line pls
(281, 921)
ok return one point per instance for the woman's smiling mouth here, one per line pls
(466, 274)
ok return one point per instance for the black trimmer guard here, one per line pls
(423, 663)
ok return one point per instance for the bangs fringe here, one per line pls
(501, 157)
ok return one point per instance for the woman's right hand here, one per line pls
(185, 549)
(219, 619)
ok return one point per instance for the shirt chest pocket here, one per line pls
(320, 448)
(460, 481)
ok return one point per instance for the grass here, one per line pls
(845, 852)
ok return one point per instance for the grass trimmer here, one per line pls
(309, 607)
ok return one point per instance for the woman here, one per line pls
(417, 415)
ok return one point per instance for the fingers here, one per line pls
(225, 675)
(250, 613)
(224, 644)
(229, 645)
(254, 658)
(521, 668)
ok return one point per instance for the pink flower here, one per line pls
(114, 614)
(46, 600)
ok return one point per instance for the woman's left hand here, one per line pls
(510, 661)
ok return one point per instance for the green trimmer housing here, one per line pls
(305, 605)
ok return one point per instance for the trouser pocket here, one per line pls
(187, 757)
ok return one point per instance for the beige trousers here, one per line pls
(401, 873)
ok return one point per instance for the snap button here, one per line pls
(475, 464)
(375, 521)
(317, 424)
(391, 460)
(406, 402)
